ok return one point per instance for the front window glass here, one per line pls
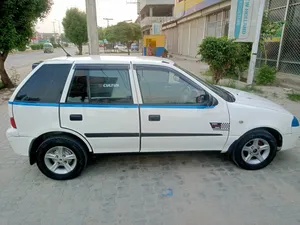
(162, 86)
(218, 90)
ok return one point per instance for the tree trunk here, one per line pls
(266, 53)
(80, 49)
(4, 76)
(128, 47)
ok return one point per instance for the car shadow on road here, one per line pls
(150, 161)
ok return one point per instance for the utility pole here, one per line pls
(92, 27)
(255, 43)
(107, 20)
(54, 27)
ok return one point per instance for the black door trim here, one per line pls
(107, 135)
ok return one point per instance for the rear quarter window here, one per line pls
(45, 85)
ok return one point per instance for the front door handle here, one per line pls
(76, 117)
(154, 117)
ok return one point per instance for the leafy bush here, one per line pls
(22, 49)
(266, 75)
(41, 45)
(224, 56)
(1, 85)
(35, 46)
(241, 61)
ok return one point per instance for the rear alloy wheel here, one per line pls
(255, 150)
(61, 158)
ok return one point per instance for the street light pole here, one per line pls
(92, 27)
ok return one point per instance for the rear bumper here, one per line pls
(19, 144)
(289, 141)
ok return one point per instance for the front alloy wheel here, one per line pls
(255, 150)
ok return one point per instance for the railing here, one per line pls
(150, 20)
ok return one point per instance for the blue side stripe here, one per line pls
(132, 106)
(34, 104)
(176, 107)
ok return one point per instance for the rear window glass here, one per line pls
(45, 85)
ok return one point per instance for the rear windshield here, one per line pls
(45, 85)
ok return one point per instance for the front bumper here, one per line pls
(289, 141)
(19, 144)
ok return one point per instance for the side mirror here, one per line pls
(202, 98)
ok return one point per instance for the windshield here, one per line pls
(218, 90)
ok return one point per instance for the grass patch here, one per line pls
(1, 85)
(230, 84)
(294, 97)
(207, 73)
(252, 88)
(209, 81)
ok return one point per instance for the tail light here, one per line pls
(13, 122)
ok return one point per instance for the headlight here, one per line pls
(295, 122)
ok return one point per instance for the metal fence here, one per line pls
(283, 50)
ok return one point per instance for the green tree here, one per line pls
(268, 30)
(63, 38)
(110, 34)
(52, 41)
(75, 26)
(16, 27)
(128, 33)
(100, 33)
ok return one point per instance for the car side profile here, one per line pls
(69, 108)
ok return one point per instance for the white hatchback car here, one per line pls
(68, 108)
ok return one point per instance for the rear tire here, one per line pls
(255, 150)
(61, 157)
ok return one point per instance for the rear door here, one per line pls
(101, 106)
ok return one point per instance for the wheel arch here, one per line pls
(276, 134)
(37, 141)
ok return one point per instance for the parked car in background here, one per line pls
(120, 47)
(134, 47)
(48, 48)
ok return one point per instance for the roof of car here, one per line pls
(117, 59)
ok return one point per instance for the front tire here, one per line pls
(61, 157)
(255, 150)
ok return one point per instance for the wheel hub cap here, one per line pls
(60, 160)
(256, 151)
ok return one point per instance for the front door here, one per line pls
(175, 115)
(100, 105)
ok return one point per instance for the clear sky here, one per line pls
(118, 10)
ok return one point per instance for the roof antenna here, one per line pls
(68, 55)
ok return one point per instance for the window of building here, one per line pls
(45, 85)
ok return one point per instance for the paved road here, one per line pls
(150, 189)
(27, 58)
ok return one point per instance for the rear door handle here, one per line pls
(154, 117)
(76, 117)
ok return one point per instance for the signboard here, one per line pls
(243, 20)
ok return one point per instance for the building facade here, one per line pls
(153, 13)
(196, 19)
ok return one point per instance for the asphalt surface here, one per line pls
(200, 188)
(20, 60)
